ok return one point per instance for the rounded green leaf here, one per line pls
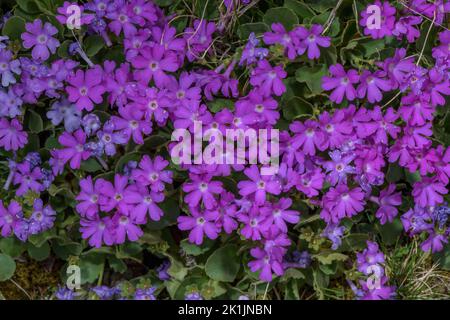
(223, 264)
(14, 27)
(283, 15)
(7, 267)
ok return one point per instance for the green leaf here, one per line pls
(91, 265)
(14, 27)
(328, 257)
(312, 77)
(39, 253)
(93, 45)
(133, 156)
(297, 107)
(34, 121)
(223, 264)
(90, 165)
(7, 267)
(300, 8)
(443, 257)
(354, 242)
(246, 29)
(283, 15)
(195, 250)
(12, 247)
(219, 104)
(171, 212)
(28, 6)
(390, 232)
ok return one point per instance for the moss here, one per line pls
(34, 278)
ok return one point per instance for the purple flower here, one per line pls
(280, 36)
(74, 151)
(151, 173)
(387, 20)
(39, 37)
(8, 67)
(201, 188)
(98, 231)
(145, 294)
(67, 112)
(11, 135)
(278, 214)
(308, 136)
(42, 217)
(404, 26)
(10, 104)
(251, 53)
(387, 201)
(258, 185)
(341, 83)
(435, 242)
(369, 257)
(428, 192)
(9, 217)
(339, 167)
(199, 38)
(131, 124)
(310, 182)
(86, 88)
(260, 110)
(193, 296)
(110, 138)
(88, 205)
(126, 228)
(341, 202)
(153, 63)
(255, 223)
(372, 85)
(334, 233)
(28, 178)
(311, 40)
(162, 271)
(265, 263)
(199, 224)
(268, 79)
(145, 202)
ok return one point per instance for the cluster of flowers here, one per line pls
(370, 263)
(28, 175)
(131, 198)
(406, 26)
(341, 155)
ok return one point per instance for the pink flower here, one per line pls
(11, 135)
(341, 83)
(86, 88)
(74, 150)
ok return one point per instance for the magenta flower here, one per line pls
(126, 228)
(199, 38)
(65, 13)
(202, 189)
(341, 202)
(258, 185)
(435, 243)
(112, 196)
(311, 40)
(416, 110)
(74, 151)
(88, 205)
(311, 182)
(387, 21)
(39, 37)
(405, 27)
(279, 215)
(265, 263)
(98, 231)
(280, 36)
(11, 135)
(200, 223)
(86, 88)
(151, 173)
(428, 192)
(387, 201)
(255, 223)
(260, 110)
(154, 63)
(28, 178)
(145, 203)
(372, 85)
(9, 217)
(268, 79)
(131, 124)
(341, 83)
(308, 136)
(339, 167)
